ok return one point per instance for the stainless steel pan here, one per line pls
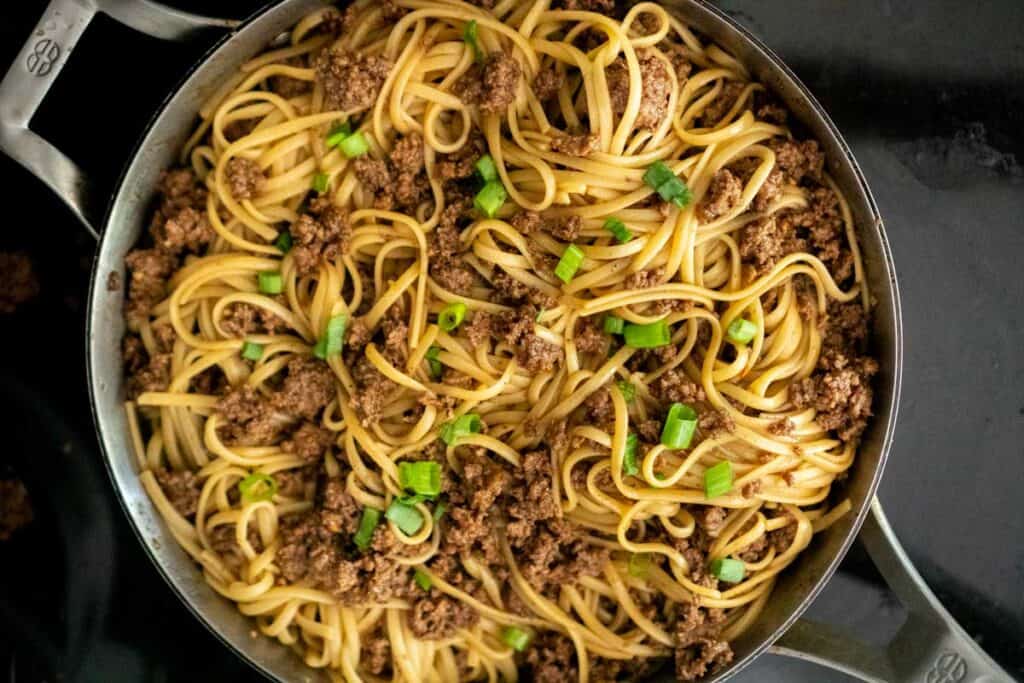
(930, 647)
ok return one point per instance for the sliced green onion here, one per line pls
(436, 369)
(284, 242)
(270, 282)
(741, 331)
(321, 182)
(414, 499)
(422, 477)
(339, 133)
(515, 637)
(354, 145)
(469, 35)
(330, 344)
(630, 467)
(439, 511)
(649, 336)
(406, 517)
(613, 324)
(486, 168)
(258, 486)
(536, 318)
(367, 525)
(639, 563)
(491, 198)
(718, 479)
(451, 316)
(680, 424)
(618, 229)
(462, 426)
(252, 350)
(657, 174)
(423, 579)
(627, 390)
(570, 262)
(669, 187)
(728, 569)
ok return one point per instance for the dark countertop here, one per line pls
(930, 97)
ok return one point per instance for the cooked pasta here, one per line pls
(492, 343)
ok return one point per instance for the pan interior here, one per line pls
(158, 149)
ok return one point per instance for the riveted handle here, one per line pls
(930, 647)
(38, 65)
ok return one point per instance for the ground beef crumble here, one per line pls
(655, 89)
(320, 236)
(182, 489)
(245, 178)
(350, 81)
(492, 86)
(722, 196)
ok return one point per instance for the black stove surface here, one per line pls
(931, 98)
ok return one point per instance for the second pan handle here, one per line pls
(38, 65)
(930, 647)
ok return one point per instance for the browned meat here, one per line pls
(247, 418)
(720, 106)
(772, 112)
(698, 649)
(155, 375)
(565, 228)
(493, 86)
(339, 511)
(846, 327)
(407, 162)
(527, 222)
(245, 178)
(223, 542)
(574, 145)
(350, 81)
(150, 270)
(516, 329)
(656, 88)
(551, 658)
(783, 427)
(722, 197)
(675, 386)
(297, 483)
(547, 83)
(714, 422)
(288, 87)
(764, 241)
(15, 507)
(182, 489)
(307, 389)
(711, 518)
(376, 654)
(462, 163)
(649, 431)
(770, 191)
(840, 393)
(824, 222)
(798, 160)
(372, 392)
(434, 617)
(642, 279)
(310, 441)
(320, 236)
(18, 281)
(599, 407)
(606, 7)
(241, 319)
(590, 337)
(447, 266)
(180, 223)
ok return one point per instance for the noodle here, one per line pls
(558, 398)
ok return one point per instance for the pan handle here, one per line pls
(930, 646)
(39, 64)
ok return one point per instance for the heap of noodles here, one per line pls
(752, 335)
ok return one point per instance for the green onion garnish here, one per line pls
(515, 637)
(451, 316)
(284, 242)
(339, 133)
(423, 477)
(536, 318)
(436, 369)
(354, 145)
(639, 564)
(330, 344)
(486, 168)
(463, 425)
(680, 425)
(728, 569)
(570, 262)
(618, 229)
(649, 336)
(423, 580)
(270, 282)
(320, 182)
(627, 390)
(252, 350)
(718, 479)
(469, 34)
(257, 487)
(613, 324)
(405, 517)
(413, 499)
(741, 331)
(630, 467)
(672, 189)
(439, 511)
(367, 524)
(491, 198)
